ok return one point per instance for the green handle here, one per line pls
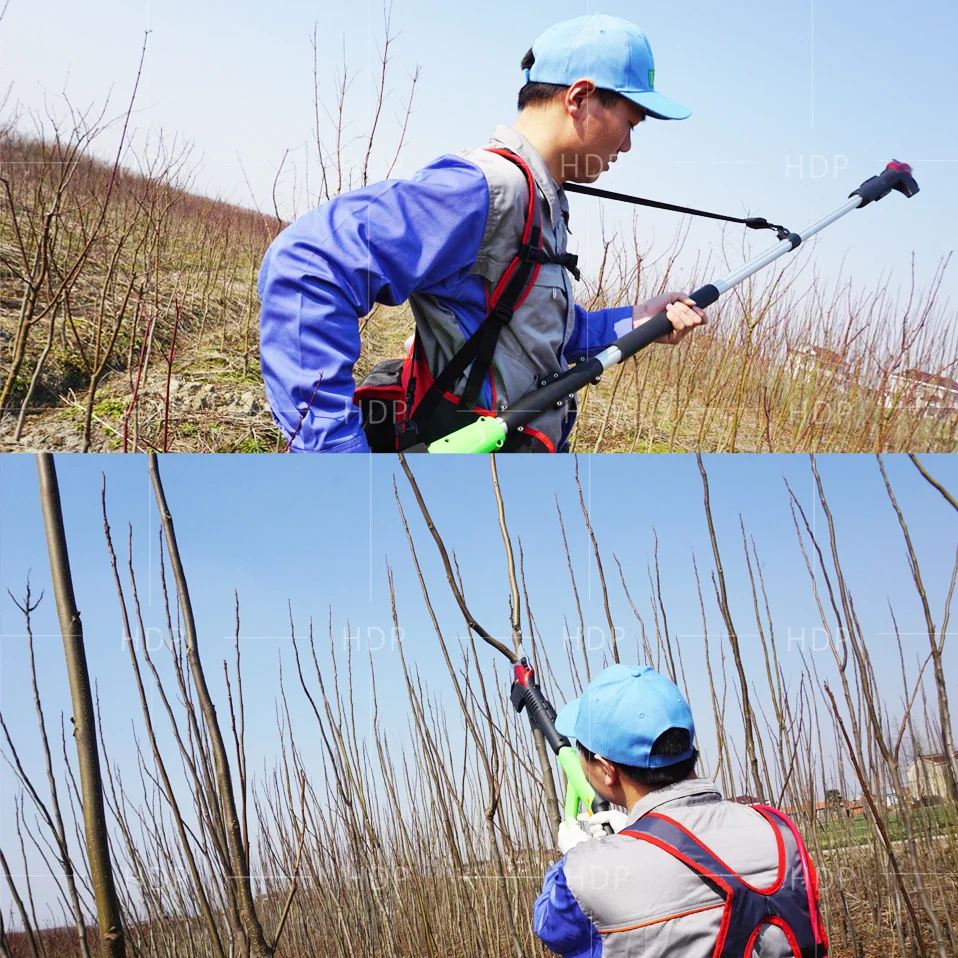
(578, 788)
(486, 434)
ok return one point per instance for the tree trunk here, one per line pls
(112, 942)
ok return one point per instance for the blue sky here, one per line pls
(794, 104)
(319, 535)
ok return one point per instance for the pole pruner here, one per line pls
(489, 433)
(527, 695)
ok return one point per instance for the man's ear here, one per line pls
(609, 771)
(577, 95)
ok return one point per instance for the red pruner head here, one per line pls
(524, 682)
(523, 673)
(895, 176)
(904, 182)
(898, 165)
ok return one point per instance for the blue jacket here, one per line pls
(561, 923)
(379, 244)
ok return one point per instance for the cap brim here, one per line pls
(657, 106)
(566, 719)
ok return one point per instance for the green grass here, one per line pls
(846, 832)
(253, 444)
(110, 408)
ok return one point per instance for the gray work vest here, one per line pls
(643, 901)
(531, 346)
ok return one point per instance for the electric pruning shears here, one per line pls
(527, 695)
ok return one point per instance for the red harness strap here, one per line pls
(747, 908)
(507, 296)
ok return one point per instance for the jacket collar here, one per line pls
(691, 791)
(513, 140)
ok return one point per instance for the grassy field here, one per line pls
(128, 309)
(129, 320)
(938, 822)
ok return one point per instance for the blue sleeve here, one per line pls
(328, 269)
(594, 331)
(561, 923)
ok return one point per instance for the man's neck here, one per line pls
(632, 792)
(534, 126)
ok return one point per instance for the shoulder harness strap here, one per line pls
(505, 299)
(671, 837)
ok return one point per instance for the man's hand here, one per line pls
(588, 827)
(681, 312)
(596, 823)
(570, 835)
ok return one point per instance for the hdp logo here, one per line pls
(651, 79)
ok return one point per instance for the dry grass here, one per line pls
(115, 287)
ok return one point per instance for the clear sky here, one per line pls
(319, 534)
(794, 104)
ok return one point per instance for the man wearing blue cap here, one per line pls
(450, 241)
(685, 873)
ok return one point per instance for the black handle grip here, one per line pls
(541, 713)
(601, 805)
(659, 325)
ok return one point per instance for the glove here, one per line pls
(571, 834)
(595, 824)
(588, 827)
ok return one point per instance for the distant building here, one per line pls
(816, 362)
(842, 808)
(747, 800)
(932, 394)
(929, 393)
(854, 808)
(927, 778)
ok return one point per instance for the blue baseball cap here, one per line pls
(614, 54)
(623, 711)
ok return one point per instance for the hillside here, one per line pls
(128, 309)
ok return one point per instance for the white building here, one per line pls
(927, 778)
(934, 395)
(816, 363)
